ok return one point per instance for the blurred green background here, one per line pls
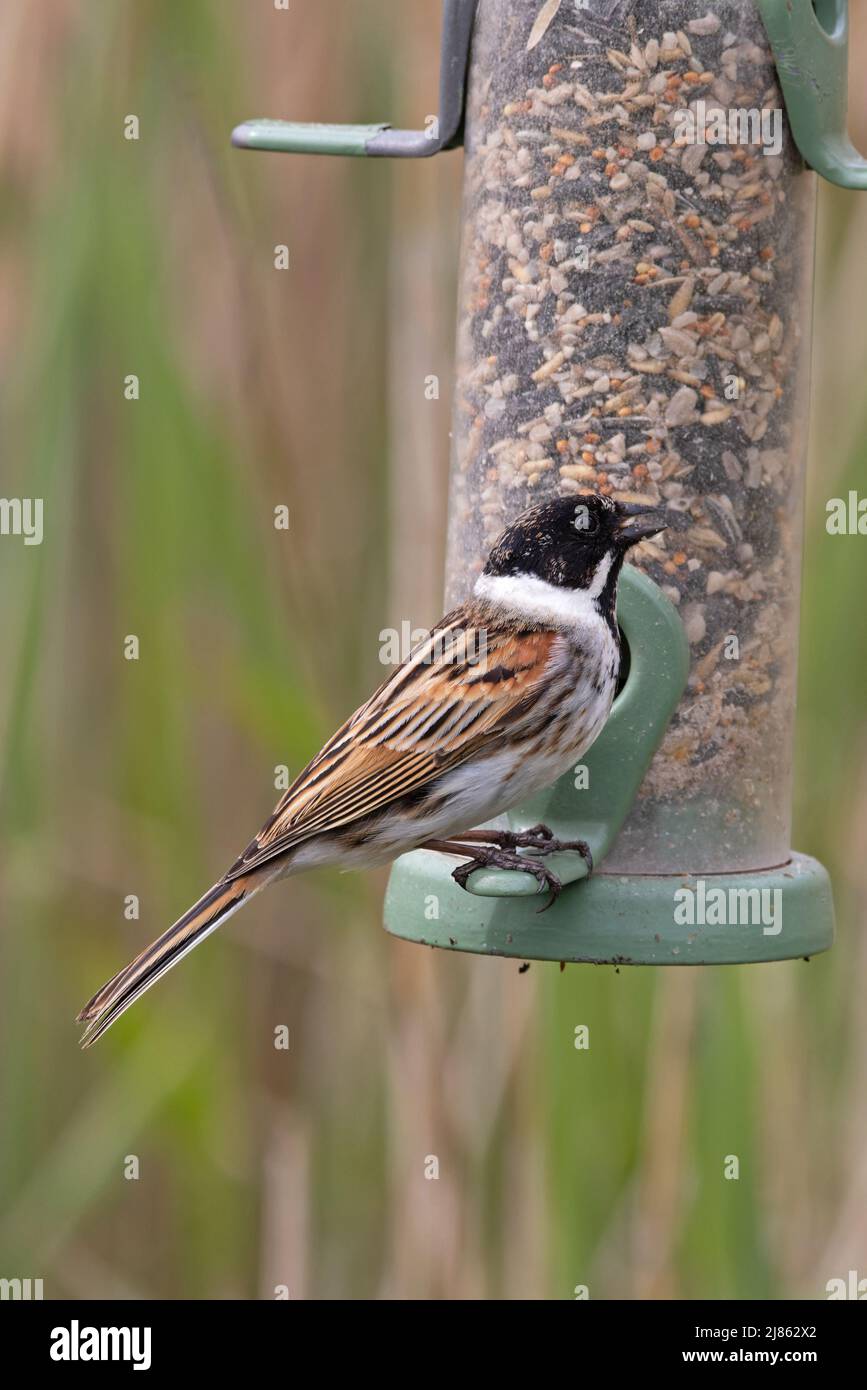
(306, 1167)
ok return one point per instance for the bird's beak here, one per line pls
(639, 522)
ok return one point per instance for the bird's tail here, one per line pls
(212, 909)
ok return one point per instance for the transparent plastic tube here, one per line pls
(634, 319)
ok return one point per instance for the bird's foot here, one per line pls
(544, 841)
(540, 838)
(499, 857)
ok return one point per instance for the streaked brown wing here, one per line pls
(433, 713)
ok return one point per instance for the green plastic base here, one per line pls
(777, 914)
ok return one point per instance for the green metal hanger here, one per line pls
(297, 137)
(810, 41)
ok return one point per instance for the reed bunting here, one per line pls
(503, 696)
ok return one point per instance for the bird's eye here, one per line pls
(585, 522)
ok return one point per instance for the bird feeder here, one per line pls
(634, 319)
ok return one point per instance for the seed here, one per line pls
(692, 158)
(549, 367)
(678, 342)
(706, 537)
(572, 137)
(694, 623)
(681, 407)
(682, 297)
(708, 24)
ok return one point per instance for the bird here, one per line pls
(490, 707)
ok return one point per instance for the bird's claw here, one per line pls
(500, 857)
(542, 839)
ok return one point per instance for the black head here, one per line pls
(575, 542)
